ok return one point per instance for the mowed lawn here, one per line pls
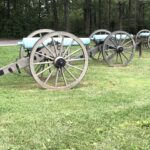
(110, 109)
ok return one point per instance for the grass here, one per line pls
(110, 109)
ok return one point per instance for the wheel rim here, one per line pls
(65, 66)
(24, 52)
(98, 56)
(149, 42)
(143, 40)
(118, 49)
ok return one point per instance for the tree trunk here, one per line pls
(66, 14)
(14, 4)
(8, 9)
(87, 14)
(120, 15)
(109, 14)
(47, 7)
(136, 18)
(129, 15)
(39, 14)
(55, 14)
(94, 15)
(100, 13)
(143, 16)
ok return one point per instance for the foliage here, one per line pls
(18, 17)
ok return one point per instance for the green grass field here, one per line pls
(109, 110)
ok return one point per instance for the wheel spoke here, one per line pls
(40, 35)
(38, 68)
(61, 48)
(116, 40)
(120, 39)
(111, 56)
(125, 56)
(127, 43)
(127, 52)
(66, 50)
(77, 59)
(44, 70)
(70, 73)
(117, 58)
(124, 40)
(99, 55)
(48, 77)
(43, 55)
(126, 48)
(49, 50)
(42, 63)
(54, 46)
(72, 53)
(112, 42)
(57, 75)
(74, 67)
(106, 53)
(109, 50)
(120, 58)
(65, 80)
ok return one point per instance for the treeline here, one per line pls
(20, 17)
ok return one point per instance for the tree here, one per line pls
(66, 14)
(55, 14)
(20, 17)
(87, 16)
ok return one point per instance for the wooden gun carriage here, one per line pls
(59, 60)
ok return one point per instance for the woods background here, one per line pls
(20, 17)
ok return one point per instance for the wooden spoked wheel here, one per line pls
(98, 43)
(65, 61)
(140, 37)
(118, 49)
(25, 52)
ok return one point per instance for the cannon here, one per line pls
(142, 38)
(94, 43)
(59, 60)
(116, 48)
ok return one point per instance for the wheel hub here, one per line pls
(120, 49)
(59, 62)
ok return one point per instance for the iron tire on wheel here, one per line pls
(118, 49)
(67, 67)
